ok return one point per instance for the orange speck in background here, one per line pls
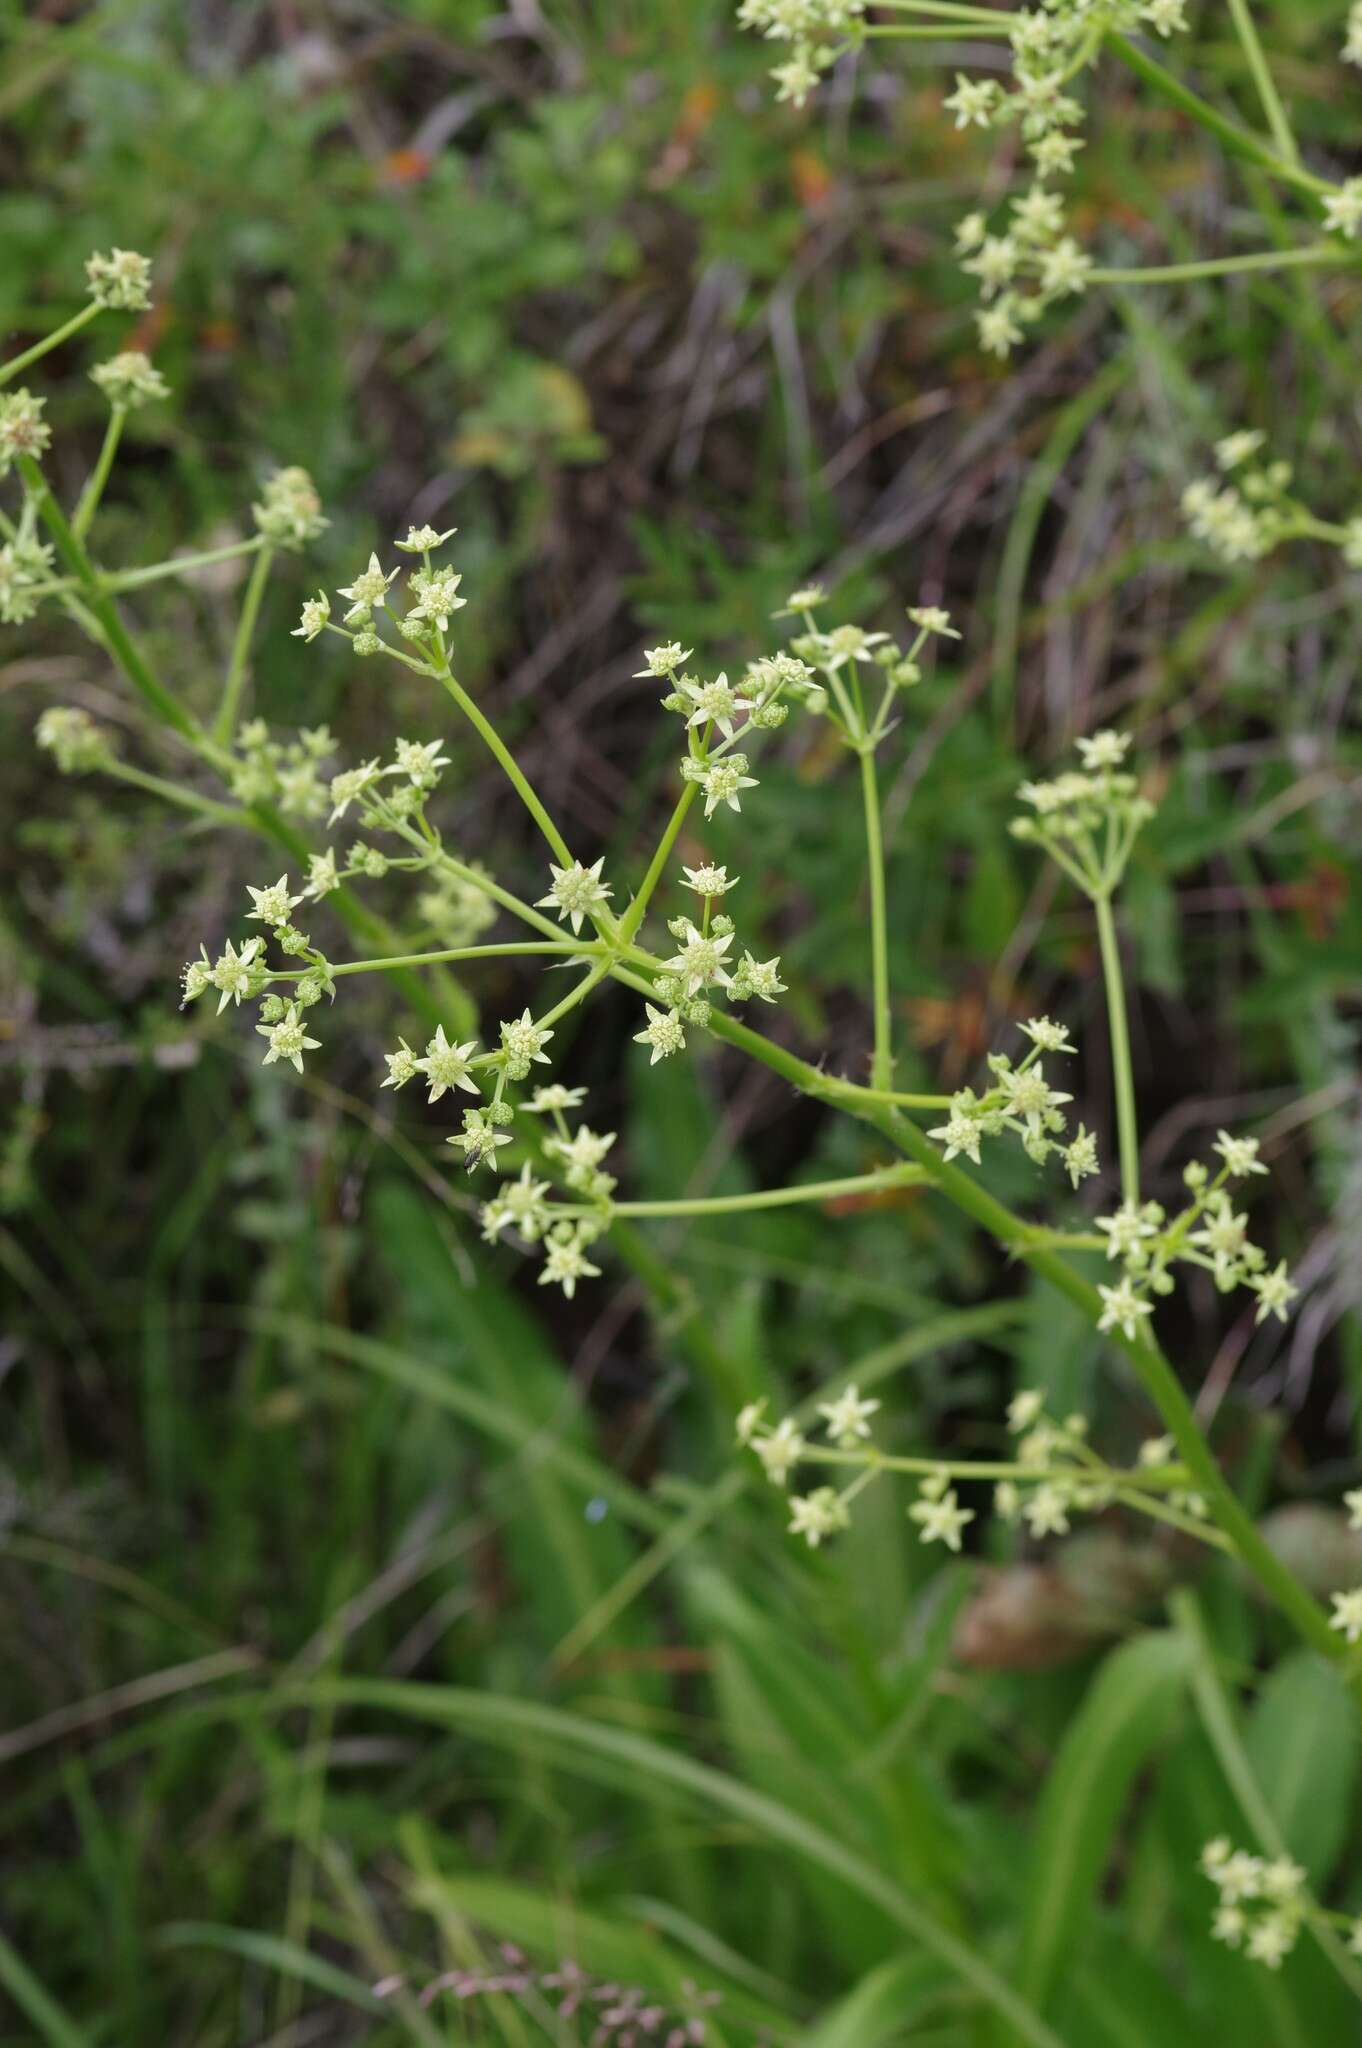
(407, 166)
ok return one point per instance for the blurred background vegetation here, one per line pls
(288, 1455)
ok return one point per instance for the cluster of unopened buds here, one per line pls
(1054, 1475)
(1264, 1904)
(1247, 509)
(1208, 1232)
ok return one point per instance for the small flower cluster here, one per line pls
(522, 1208)
(1056, 1474)
(1022, 1101)
(1347, 1614)
(1063, 1476)
(1342, 208)
(1352, 43)
(1263, 1904)
(852, 663)
(430, 600)
(129, 380)
(1244, 519)
(1208, 1233)
(120, 281)
(75, 742)
(25, 568)
(817, 30)
(780, 1447)
(245, 975)
(285, 773)
(1088, 819)
(23, 430)
(703, 967)
(289, 513)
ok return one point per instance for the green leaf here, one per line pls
(887, 2000)
(1302, 1741)
(1126, 1714)
(274, 1953)
(33, 1999)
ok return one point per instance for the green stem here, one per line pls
(1226, 266)
(225, 723)
(882, 1064)
(1238, 141)
(181, 565)
(50, 341)
(907, 1101)
(578, 995)
(955, 31)
(492, 890)
(905, 1176)
(509, 765)
(1263, 80)
(514, 951)
(1144, 1483)
(173, 793)
(984, 15)
(633, 916)
(1122, 1077)
(115, 635)
(99, 475)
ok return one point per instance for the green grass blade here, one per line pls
(272, 1952)
(36, 2002)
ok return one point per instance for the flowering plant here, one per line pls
(673, 934)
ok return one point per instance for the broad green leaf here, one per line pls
(1125, 1716)
(1302, 1742)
